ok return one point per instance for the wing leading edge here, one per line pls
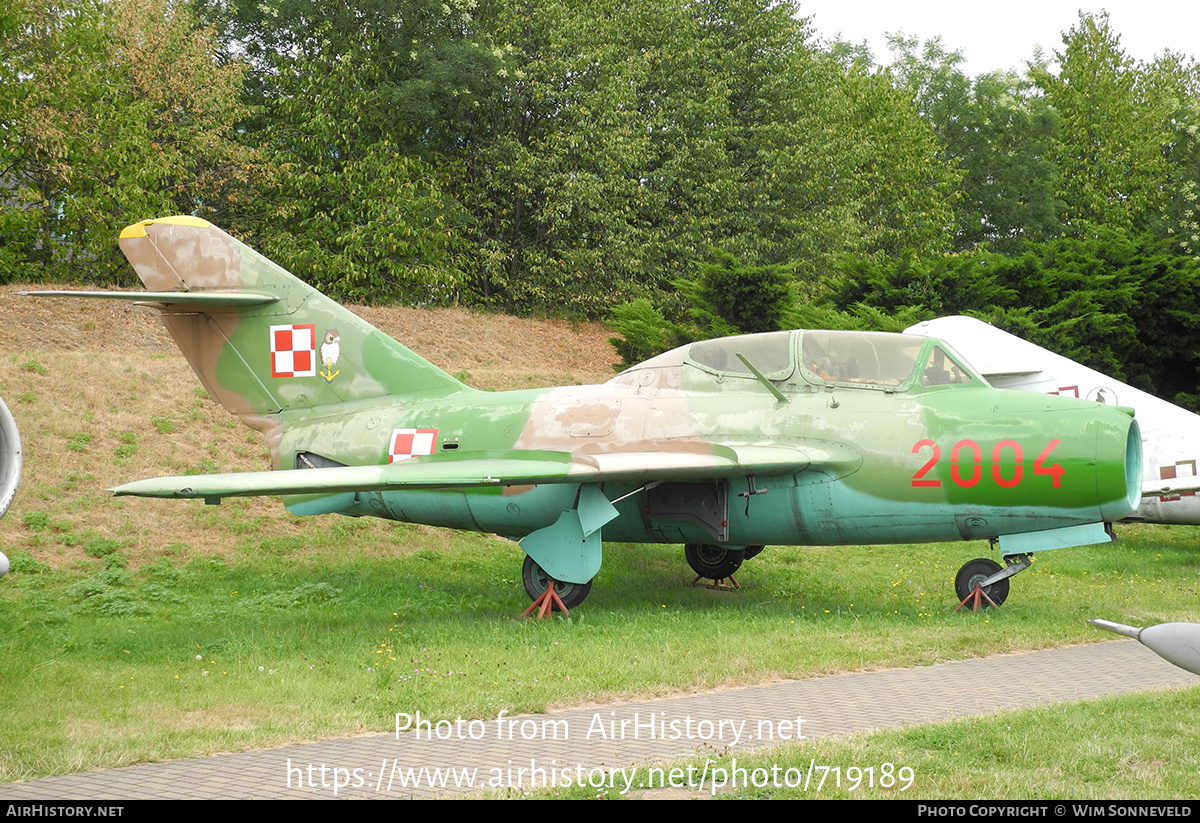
(195, 300)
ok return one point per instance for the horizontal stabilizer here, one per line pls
(476, 469)
(997, 373)
(187, 299)
(1170, 489)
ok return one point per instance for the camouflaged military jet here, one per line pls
(792, 437)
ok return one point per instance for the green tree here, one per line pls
(830, 158)
(1177, 78)
(20, 203)
(897, 188)
(632, 138)
(587, 178)
(424, 65)
(643, 330)
(343, 206)
(726, 298)
(1110, 149)
(360, 114)
(997, 132)
(121, 115)
(1126, 305)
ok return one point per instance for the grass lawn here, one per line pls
(332, 630)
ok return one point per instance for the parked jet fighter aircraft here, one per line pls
(796, 437)
(1170, 435)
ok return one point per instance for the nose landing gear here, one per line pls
(983, 582)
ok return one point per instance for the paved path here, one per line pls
(593, 738)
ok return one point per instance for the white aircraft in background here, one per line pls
(10, 467)
(1170, 435)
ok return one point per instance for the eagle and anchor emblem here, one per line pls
(331, 349)
(294, 352)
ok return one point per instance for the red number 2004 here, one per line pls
(966, 464)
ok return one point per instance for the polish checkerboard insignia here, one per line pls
(294, 351)
(406, 443)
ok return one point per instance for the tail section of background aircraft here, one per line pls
(262, 341)
(10, 467)
(10, 458)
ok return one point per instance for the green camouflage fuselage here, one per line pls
(862, 489)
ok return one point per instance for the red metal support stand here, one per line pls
(546, 601)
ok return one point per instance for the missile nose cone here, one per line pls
(1177, 643)
(1116, 628)
(3, 564)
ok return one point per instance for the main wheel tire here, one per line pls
(536, 581)
(976, 571)
(713, 562)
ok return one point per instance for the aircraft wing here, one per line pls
(507, 468)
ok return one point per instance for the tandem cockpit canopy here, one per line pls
(869, 359)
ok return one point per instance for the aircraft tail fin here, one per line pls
(261, 340)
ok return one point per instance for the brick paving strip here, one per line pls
(595, 738)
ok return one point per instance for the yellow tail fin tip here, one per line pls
(139, 229)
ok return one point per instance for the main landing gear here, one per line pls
(549, 594)
(983, 582)
(717, 563)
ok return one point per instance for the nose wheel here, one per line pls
(972, 586)
(967, 584)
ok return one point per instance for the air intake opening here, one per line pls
(1133, 464)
